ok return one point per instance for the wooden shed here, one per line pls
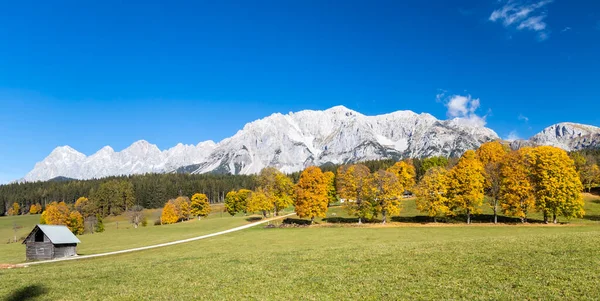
(50, 242)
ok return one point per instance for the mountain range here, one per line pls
(294, 141)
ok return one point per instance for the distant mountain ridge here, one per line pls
(290, 142)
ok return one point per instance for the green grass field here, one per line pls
(413, 261)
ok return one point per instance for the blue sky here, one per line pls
(95, 73)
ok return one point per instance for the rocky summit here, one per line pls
(290, 142)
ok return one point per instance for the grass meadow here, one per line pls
(399, 261)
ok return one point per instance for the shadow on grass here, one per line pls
(27, 293)
(253, 219)
(341, 220)
(295, 221)
(479, 218)
(595, 218)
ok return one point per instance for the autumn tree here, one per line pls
(331, 191)
(259, 202)
(33, 209)
(169, 214)
(432, 162)
(14, 209)
(75, 223)
(431, 193)
(516, 193)
(199, 206)
(236, 201)
(354, 185)
(277, 187)
(86, 207)
(183, 207)
(387, 192)
(56, 214)
(556, 183)
(405, 172)
(311, 194)
(491, 155)
(590, 176)
(466, 183)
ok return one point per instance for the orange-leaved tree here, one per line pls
(169, 214)
(56, 214)
(311, 194)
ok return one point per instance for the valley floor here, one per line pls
(326, 263)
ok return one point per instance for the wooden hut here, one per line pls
(50, 242)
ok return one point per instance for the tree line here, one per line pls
(515, 182)
(148, 191)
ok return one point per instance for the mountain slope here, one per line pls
(288, 142)
(566, 135)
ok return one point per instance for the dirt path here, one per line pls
(158, 245)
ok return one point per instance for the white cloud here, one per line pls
(464, 108)
(523, 117)
(512, 136)
(523, 16)
(566, 29)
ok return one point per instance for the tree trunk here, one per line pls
(522, 220)
(435, 219)
(359, 221)
(384, 213)
(468, 216)
(545, 217)
(264, 214)
(495, 214)
(312, 220)
(554, 219)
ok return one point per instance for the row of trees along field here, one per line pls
(543, 179)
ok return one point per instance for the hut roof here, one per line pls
(57, 234)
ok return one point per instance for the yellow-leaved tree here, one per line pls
(277, 187)
(516, 192)
(169, 214)
(14, 209)
(354, 186)
(405, 171)
(311, 194)
(259, 202)
(465, 184)
(331, 192)
(199, 206)
(55, 214)
(431, 193)
(75, 222)
(183, 206)
(387, 191)
(33, 209)
(231, 200)
(491, 155)
(556, 183)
